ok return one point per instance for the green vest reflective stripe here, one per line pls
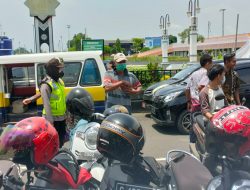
(57, 98)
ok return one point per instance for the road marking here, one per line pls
(160, 159)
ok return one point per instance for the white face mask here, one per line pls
(223, 80)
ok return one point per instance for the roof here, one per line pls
(45, 57)
(217, 42)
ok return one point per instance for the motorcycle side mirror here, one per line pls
(220, 97)
(243, 101)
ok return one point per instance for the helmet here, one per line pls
(115, 109)
(230, 131)
(79, 102)
(120, 137)
(34, 137)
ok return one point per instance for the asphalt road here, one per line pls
(159, 140)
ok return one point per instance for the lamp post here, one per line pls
(222, 10)
(208, 29)
(164, 24)
(68, 26)
(193, 9)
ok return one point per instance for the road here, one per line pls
(160, 139)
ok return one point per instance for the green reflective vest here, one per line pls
(57, 98)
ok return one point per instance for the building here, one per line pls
(125, 44)
(215, 45)
(5, 46)
(152, 42)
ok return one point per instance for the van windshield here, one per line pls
(71, 73)
(186, 72)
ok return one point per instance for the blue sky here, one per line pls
(112, 19)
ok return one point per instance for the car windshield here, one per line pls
(185, 72)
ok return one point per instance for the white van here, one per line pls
(22, 74)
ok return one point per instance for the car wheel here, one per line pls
(184, 122)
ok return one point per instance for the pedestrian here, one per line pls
(53, 96)
(196, 82)
(120, 84)
(232, 84)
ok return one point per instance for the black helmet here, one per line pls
(115, 109)
(79, 102)
(120, 137)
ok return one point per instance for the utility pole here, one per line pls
(222, 10)
(208, 29)
(68, 26)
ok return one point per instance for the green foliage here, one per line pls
(200, 38)
(107, 50)
(158, 59)
(21, 50)
(184, 35)
(116, 48)
(75, 43)
(145, 49)
(172, 39)
(137, 44)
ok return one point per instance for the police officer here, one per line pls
(54, 100)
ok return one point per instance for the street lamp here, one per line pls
(208, 29)
(68, 26)
(193, 9)
(222, 10)
(164, 24)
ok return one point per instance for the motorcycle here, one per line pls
(199, 127)
(83, 145)
(146, 173)
(235, 174)
(62, 172)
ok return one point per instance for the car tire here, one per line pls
(184, 122)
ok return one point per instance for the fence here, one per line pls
(150, 76)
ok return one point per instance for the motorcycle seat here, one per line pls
(200, 122)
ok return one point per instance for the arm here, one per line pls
(135, 88)
(205, 107)
(188, 96)
(237, 97)
(45, 93)
(31, 99)
(112, 86)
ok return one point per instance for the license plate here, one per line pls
(153, 110)
(125, 186)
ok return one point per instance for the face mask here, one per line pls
(121, 67)
(61, 74)
(223, 80)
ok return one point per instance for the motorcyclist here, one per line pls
(228, 135)
(207, 96)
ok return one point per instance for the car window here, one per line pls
(71, 73)
(186, 72)
(22, 76)
(91, 74)
(244, 75)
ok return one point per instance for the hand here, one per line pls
(26, 101)
(126, 83)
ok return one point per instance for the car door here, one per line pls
(244, 76)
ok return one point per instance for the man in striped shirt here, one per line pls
(119, 84)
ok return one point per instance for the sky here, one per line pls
(123, 19)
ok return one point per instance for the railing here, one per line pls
(150, 76)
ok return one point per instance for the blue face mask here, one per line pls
(121, 66)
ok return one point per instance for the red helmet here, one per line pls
(35, 135)
(232, 128)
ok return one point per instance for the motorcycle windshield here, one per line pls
(15, 138)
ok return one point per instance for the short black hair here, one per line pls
(227, 57)
(216, 70)
(205, 58)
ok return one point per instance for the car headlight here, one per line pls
(91, 137)
(171, 96)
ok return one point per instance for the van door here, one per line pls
(92, 81)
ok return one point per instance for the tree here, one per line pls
(116, 48)
(75, 43)
(185, 34)
(172, 39)
(107, 50)
(137, 44)
(200, 38)
(21, 50)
